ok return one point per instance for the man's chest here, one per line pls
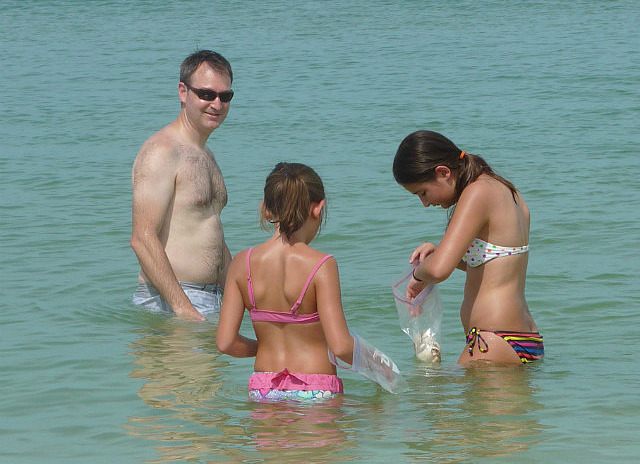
(199, 182)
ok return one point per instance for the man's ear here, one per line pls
(316, 209)
(443, 171)
(182, 93)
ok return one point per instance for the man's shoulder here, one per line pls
(163, 150)
(157, 158)
(163, 143)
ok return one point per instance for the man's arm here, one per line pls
(153, 179)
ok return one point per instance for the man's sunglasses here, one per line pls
(211, 95)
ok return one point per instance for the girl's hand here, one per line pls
(420, 253)
(414, 287)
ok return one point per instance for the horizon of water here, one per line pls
(546, 91)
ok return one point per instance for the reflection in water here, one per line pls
(199, 410)
(479, 412)
(200, 413)
(183, 375)
(305, 432)
(180, 362)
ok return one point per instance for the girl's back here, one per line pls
(292, 293)
(279, 273)
(494, 291)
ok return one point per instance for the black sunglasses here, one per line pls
(211, 95)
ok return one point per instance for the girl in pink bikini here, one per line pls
(292, 293)
(487, 236)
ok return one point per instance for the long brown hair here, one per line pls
(289, 191)
(420, 152)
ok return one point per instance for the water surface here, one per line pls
(546, 91)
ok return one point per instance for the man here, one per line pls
(178, 195)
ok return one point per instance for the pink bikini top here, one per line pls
(263, 315)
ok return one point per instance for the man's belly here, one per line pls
(202, 267)
(196, 254)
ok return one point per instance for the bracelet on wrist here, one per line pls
(414, 276)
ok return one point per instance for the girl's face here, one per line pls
(437, 192)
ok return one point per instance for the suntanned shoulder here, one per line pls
(238, 268)
(478, 194)
(239, 258)
(162, 145)
(319, 254)
(482, 183)
(330, 266)
(157, 155)
(470, 216)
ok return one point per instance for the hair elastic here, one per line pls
(462, 153)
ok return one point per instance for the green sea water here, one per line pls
(548, 92)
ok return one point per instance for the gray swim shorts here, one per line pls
(207, 299)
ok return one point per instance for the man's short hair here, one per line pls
(213, 59)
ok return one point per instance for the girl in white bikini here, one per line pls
(488, 210)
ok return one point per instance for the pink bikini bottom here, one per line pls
(282, 385)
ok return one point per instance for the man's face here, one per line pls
(204, 114)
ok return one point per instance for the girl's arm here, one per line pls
(329, 304)
(470, 216)
(420, 253)
(228, 338)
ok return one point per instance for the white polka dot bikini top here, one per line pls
(480, 252)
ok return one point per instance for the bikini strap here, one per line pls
(249, 282)
(474, 336)
(294, 308)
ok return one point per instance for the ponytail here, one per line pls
(289, 191)
(471, 166)
(420, 152)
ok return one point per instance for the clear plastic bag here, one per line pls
(419, 318)
(372, 364)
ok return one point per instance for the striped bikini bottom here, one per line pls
(527, 345)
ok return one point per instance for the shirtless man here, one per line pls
(178, 195)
